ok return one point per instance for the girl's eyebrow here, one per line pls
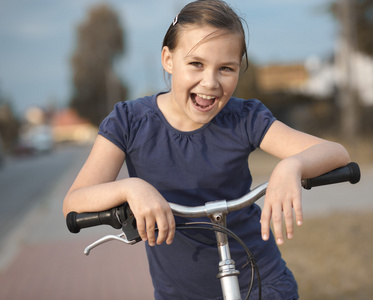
(197, 58)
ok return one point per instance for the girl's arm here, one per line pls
(96, 189)
(302, 156)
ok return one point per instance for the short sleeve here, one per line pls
(259, 120)
(115, 127)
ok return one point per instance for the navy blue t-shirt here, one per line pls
(191, 168)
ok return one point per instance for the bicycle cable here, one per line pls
(223, 229)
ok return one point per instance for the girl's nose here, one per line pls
(210, 80)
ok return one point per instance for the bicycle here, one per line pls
(121, 217)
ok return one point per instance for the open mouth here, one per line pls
(203, 101)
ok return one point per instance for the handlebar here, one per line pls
(117, 217)
(75, 221)
(122, 217)
(350, 173)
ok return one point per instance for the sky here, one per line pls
(37, 39)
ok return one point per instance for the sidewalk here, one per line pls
(43, 261)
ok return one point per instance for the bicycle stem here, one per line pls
(228, 274)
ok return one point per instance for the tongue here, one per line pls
(203, 102)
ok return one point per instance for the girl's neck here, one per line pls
(172, 114)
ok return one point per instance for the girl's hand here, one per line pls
(303, 156)
(151, 210)
(283, 195)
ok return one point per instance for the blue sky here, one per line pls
(37, 39)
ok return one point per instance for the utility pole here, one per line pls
(347, 91)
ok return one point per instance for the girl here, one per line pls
(191, 145)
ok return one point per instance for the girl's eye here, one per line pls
(196, 64)
(226, 69)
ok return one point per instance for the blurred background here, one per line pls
(64, 64)
(310, 62)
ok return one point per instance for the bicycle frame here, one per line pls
(216, 211)
(228, 274)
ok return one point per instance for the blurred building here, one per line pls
(326, 77)
(281, 77)
(318, 78)
(68, 126)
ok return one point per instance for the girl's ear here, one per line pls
(167, 59)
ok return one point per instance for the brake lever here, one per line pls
(129, 236)
(120, 237)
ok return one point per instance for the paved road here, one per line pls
(42, 260)
(25, 181)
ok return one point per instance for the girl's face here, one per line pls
(205, 68)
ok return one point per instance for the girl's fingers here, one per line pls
(165, 223)
(297, 205)
(150, 230)
(140, 222)
(171, 229)
(281, 213)
(163, 229)
(277, 223)
(288, 218)
(166, 228)
(265, 221)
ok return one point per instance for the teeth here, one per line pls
(205, 96)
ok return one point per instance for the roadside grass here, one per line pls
(332, 257)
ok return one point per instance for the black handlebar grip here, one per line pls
(75, 221)
(350, 173)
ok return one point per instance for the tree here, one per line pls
(364, 24)
(361, 15)
(99, 44)
(9, 126)
(355, 18)
(247, 86)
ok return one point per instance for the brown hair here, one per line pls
(214, 13)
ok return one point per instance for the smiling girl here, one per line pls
(190, 146)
